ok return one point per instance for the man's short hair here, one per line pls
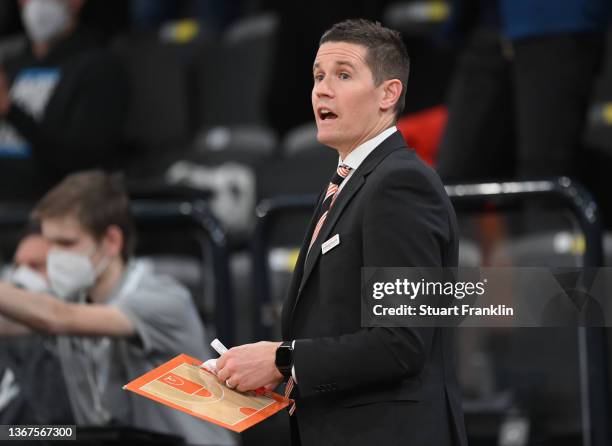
(98, 200)
(386, 55)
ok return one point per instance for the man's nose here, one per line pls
(323, 88)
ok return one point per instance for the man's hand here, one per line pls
(250, 366)
(5, 98)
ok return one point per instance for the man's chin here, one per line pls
(326, 138)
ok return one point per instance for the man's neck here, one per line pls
(41, 49)
(108, 281)
(373, 133)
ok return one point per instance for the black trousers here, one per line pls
(519, 113)
(295, 432)
(478, 141)
(554, 76)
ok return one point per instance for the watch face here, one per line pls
(283, 356)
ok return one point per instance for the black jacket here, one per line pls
(365, 386)
(82, 124)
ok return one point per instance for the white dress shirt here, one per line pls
(356, 157)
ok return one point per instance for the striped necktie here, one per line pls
(288, 389)
(330, 196)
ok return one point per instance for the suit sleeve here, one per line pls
(405, 224)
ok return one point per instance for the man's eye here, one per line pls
(344, 76)
(318, 77)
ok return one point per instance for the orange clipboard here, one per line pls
(183, 385)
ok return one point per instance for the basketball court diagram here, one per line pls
(182, 384)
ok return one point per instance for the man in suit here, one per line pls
(383, 208)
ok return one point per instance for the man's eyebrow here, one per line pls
(62, 240)
(338, 62)
(345, 62)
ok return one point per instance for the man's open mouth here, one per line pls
(325, 114)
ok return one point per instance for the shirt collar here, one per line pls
(356, 157)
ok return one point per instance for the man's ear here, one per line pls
(392, 90)
(113, 240)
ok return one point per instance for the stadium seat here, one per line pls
(231, 76)
(159, 113)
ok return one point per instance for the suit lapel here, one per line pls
(357, 180)
(335, 211)
(299, 267)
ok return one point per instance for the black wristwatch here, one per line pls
(284, 358)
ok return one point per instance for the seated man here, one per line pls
(62, 101)
(29, 269)
(112, 318)
(24, 397)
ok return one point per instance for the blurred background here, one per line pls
(204, 105)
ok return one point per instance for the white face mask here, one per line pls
(29, 279)
(45, 19)
(72, 272)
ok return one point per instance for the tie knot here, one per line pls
(341, 173)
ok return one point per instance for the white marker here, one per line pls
(218, 346)
(211, 364)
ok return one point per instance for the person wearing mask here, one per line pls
(62, 102)
(29, 267)
(111, 317)
(24, 397)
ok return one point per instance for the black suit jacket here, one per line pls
(363, 386)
